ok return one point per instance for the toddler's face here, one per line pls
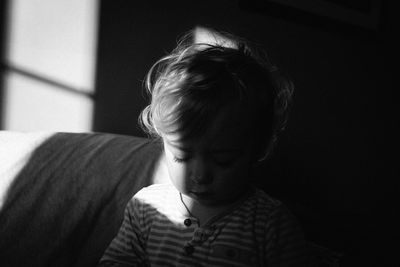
(214, 170)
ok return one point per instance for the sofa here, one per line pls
(62, 195)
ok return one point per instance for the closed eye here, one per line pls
(180, 160)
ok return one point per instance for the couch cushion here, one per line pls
(67, 193)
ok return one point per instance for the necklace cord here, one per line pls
(187, 209)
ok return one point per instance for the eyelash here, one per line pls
(180, 160)
(223, 163)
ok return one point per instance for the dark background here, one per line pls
(335, 164)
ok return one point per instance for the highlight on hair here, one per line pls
(195, 80)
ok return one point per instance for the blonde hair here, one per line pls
(190, 85)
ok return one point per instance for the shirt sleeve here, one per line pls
(127, 248)
(285, 242)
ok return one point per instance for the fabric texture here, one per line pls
(64, 194)
(259, 231)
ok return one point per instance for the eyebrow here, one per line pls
(182, 148)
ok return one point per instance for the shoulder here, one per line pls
(271, 212)
(259, 209)
(264, 203)
(265, 200)
(154, 191)
(283, 235)
(153, 197)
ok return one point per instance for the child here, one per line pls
(217, 108)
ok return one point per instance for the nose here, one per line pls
(202, 179)
(201, 172)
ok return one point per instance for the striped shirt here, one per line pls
(259, 231)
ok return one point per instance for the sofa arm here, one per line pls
(64, 193)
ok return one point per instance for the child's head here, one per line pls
(216, 108)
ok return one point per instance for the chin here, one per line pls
(214, 202)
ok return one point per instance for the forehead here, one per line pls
(229, 128)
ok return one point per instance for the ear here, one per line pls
(263, 146)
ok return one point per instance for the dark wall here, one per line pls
(3, 18)
(332, 165)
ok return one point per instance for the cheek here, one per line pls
(177, 174)
(237, 175)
